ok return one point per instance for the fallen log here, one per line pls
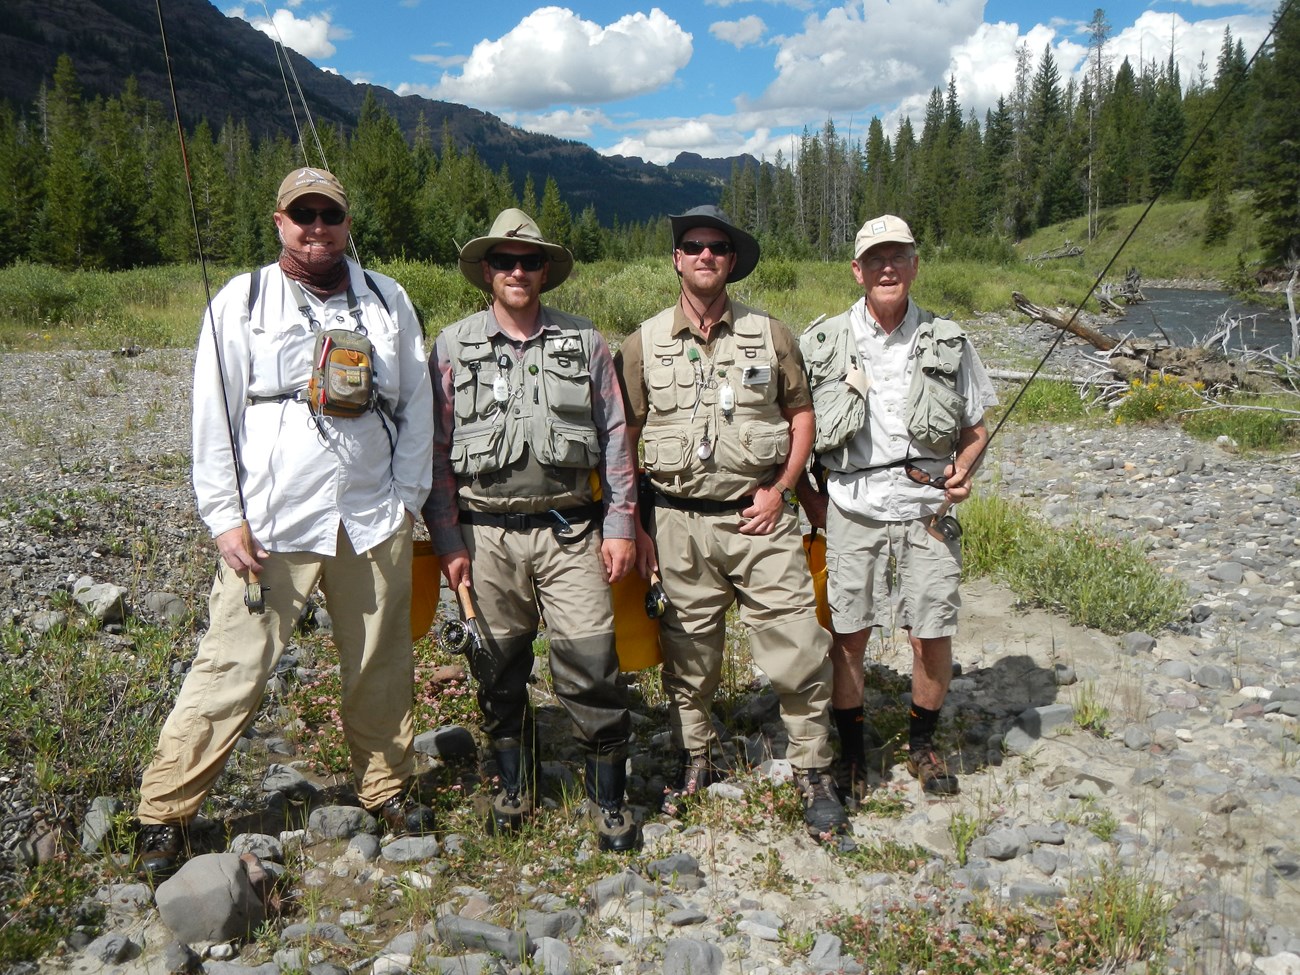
(1040, 314)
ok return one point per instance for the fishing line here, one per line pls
(1124, 243)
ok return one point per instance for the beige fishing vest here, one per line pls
(541, 402)
(693, 446)
(934, 405)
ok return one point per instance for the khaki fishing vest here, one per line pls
(934, 406)
(542, 402)
(744, 445)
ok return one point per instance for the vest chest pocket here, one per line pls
(567, 384)
(754, 380)
(670, 387)
(476, 448)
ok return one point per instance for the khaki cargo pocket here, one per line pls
(569, 445)
(765, 444)
(665, 453)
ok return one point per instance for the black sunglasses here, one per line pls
(306, 216)
(918, 476)
(720, 248)
(508, 262)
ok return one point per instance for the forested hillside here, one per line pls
(97, 182)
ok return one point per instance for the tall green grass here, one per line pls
(1090, 578)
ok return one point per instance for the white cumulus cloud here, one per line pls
(739, 33)
(580, 124)
(312, 37)
(553, 56)
(867, 52)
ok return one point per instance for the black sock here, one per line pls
(848, 723)
(922, 723)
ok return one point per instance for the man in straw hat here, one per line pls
(300, 495)
(716, 391)
(900, 398)
(526, 406)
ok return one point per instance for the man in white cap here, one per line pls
(527, 407)
(716, 390)
(303, 487)
(900, 398)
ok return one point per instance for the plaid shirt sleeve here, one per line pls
(617, 471)
(441, 515)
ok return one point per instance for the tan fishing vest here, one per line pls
(695, 446)
(934, 406)
(541, 403)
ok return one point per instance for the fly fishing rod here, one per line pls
(942, 525)
(254, 592)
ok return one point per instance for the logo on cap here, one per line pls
(878, 227)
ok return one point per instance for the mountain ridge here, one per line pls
(226, 68)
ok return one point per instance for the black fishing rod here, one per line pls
(254, 597)
(941, 524)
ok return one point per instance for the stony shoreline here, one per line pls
(1197, 782)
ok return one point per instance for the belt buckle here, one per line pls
(515, 521)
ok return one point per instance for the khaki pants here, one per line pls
(706, 565)
(513, 573)
(369, 601)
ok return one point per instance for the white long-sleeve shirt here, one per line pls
(303, 476)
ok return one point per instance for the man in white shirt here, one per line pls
(308, 469)
(900, 398)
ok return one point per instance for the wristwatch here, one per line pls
(789, 498)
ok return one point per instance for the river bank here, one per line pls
(1190, 780)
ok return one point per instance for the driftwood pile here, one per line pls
(1128, 359)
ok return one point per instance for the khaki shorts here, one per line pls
(891, 574)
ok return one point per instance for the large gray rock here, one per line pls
(211, 898)
(461, 932)
(686, 956)
(100, 600)
(340, 822)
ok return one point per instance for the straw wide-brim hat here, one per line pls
(513, 226)
(711, 216)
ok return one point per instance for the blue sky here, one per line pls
(721, 77)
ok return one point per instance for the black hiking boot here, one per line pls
(404, 815)
(606, 781)
(516, 799)
(695, 773)
(823, 813)
(161, 848)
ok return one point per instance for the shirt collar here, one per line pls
(862, 318)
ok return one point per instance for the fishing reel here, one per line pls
(946, 529)
(656, 601)
(454, 637)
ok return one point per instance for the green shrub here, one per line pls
(776, 275)
(1046, 401)
(1160, 399)
(1259, 423)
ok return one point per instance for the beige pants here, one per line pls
(369, 601)
(706, 565)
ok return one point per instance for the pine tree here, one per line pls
(555, 220)
(1277, 163)
(381, 177)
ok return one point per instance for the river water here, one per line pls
(1187, 316)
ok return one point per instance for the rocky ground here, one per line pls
(1195, 786)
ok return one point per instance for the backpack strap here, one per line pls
(255, 289)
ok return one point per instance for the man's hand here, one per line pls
(646, 559)
(617, 556)
(956, 484)
(762, 516)
(456, 568)
(240, 550)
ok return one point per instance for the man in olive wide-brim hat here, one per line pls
(526, 406)
(717, 392)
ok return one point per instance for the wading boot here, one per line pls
(516, 797)
(695, 773)
(606, 781)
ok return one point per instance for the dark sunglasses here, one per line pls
(306, 216)
(720, 248)
(508, 262)
(918, 476)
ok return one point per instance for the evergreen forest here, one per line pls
(100, 183)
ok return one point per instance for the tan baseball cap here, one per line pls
(887, 229)
(305, 181)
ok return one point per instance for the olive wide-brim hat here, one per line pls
(711, 216)
(513, 226)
